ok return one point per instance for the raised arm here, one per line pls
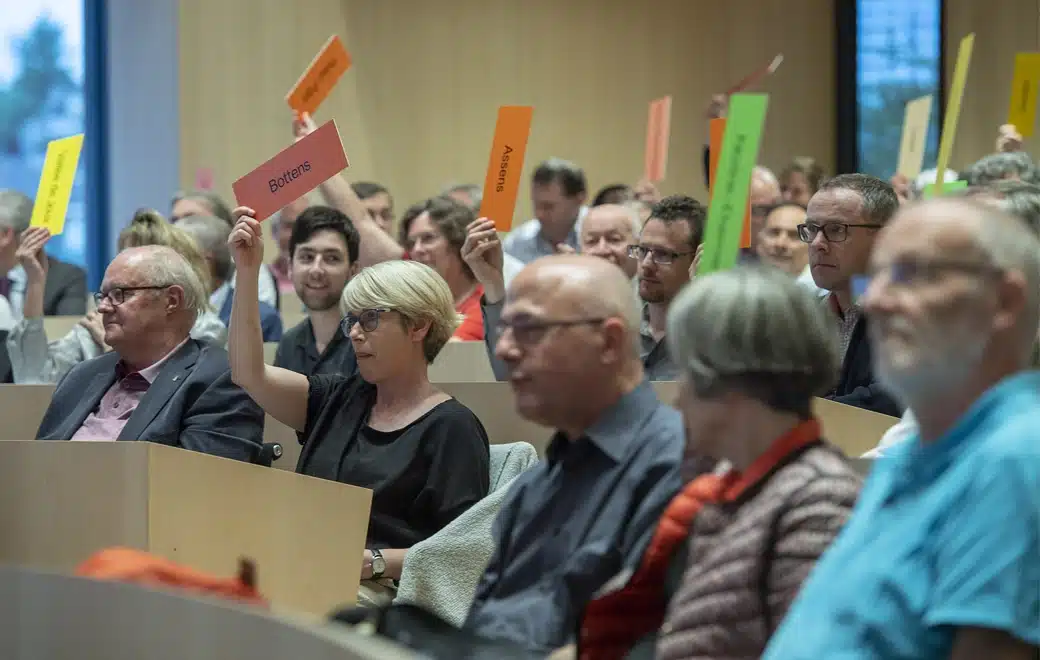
(280, 392)
(376, 245)
(32, 258)
(482, 252)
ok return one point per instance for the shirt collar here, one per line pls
(832, 301)
(149, 373)
(615, 430)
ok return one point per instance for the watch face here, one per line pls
(378, 564)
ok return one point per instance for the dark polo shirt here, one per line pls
(297, 351)
(577, 519)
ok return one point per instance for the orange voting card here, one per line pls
(293, 173)
(506, 164)
(320, 77)
(658, 126)
(717, 129)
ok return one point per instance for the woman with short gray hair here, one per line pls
(753, 348)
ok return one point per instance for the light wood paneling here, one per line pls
(417, 110)
(1001, 29)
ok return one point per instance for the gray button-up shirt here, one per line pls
(656, 361)
(577, 519)
(527, 243)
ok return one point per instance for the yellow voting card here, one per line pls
(1022, 109)
(59, 172)
(953, 109)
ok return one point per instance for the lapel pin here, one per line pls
(176, 378)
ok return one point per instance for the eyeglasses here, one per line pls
(834, 232)
(117, 295)
(532, 331)
(369, 319)
(905, 272)
(659, 256)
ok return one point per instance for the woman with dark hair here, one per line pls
(433, 232)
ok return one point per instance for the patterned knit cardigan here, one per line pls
(748, 558)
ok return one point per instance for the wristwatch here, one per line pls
(378, 564)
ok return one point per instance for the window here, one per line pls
(898, 59)
(42, 98)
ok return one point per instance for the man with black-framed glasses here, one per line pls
(665, 252)
(157, 384)
(841, 224)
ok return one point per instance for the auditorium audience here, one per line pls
(607, 232)
(157, 384)
(732, 548)
(433, 232)
(207, 203)
(65, 289)
(211, 235)
(423, 454)
(842, 223)
(778, 244)
(558, 193)
(940, 559)
(35, 361)
(378, 202)
(800, 180)
(570, 341)
(323, 249)
(282, 228)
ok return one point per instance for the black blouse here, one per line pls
(422, 476)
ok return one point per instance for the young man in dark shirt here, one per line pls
(323, 252)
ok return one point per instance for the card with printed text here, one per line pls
(293, 173)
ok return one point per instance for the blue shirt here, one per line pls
(945, 535)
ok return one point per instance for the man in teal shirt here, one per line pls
(941, 558)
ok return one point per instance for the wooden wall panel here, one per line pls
(1001, 29)
(417, 110)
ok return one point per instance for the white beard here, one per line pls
(936, 366)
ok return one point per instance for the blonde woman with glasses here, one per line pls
(423, 454)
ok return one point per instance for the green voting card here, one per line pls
(740, 143)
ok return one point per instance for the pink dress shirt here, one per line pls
(120, 401)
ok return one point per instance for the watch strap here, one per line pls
(378, 564)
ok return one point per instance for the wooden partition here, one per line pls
(57, 327)
(59, 617)
(62, 501)
(853, 429)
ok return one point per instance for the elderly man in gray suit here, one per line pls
(157, 384)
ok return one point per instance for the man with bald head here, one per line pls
(157, 384)
(607, 231)
(941, 558)
(569, 341)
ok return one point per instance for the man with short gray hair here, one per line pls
(941, 558)
(157, 384)
(65, 290)
(558, 193)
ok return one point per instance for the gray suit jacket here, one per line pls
(192, 404)
(64, 290)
